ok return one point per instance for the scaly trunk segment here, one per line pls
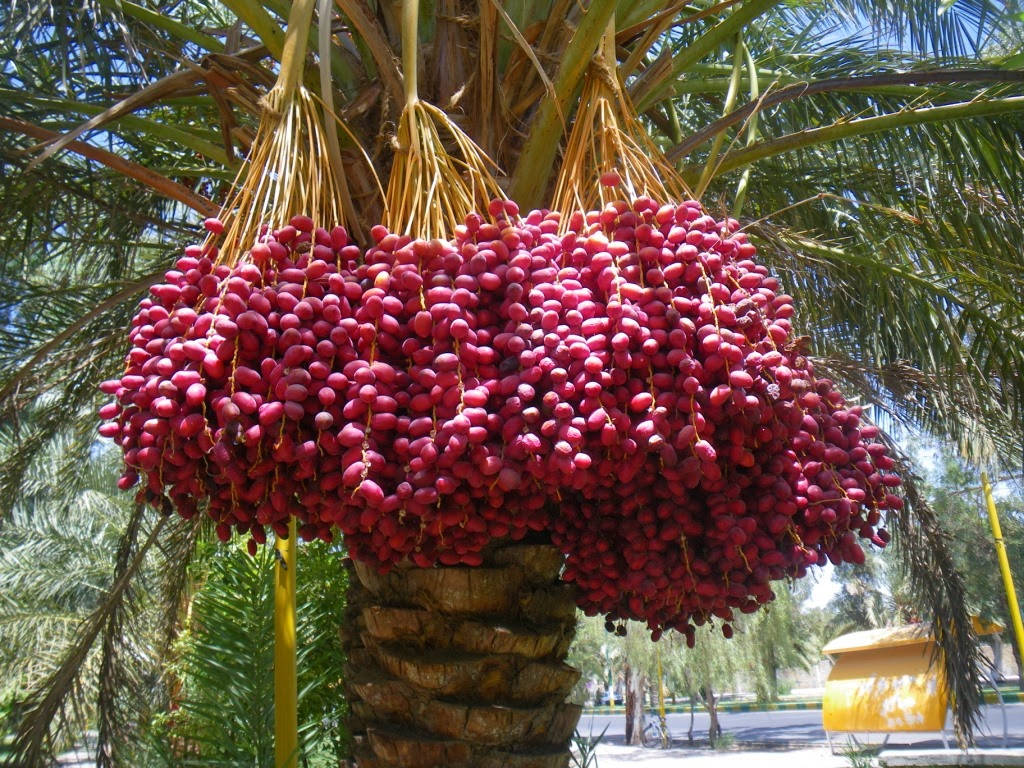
(464, 667)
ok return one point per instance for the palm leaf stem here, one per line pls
(675, 127)
(718, 84)
(341, 68)
(653, 28)
(711, 70)
(174, 135)
(652, 91)
(161, 184)
(255, 16)
(710, 164)
(627, 34)
(634, 18)
(152, 92)
(898, 273)
(741, 188)
(165, 23)
(868, 125)
(867, 83)
(537, 158)
(375, 38)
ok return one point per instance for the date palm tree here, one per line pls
(872, 145)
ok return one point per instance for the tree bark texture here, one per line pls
(463, 667)
(634, 705)
(1020, 667)
(629, 703)
(714, 729)
(995, 642)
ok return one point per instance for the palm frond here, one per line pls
(895, 244)
(928, 563)
(53, 568)
(889, 316)
(223, 700)
(533, 169)
(226, 665)
(74, 630)
(940, 29)
(874, 83)
(53, 712)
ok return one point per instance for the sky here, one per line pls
(825, 587)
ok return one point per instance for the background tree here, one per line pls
(779, 640)
(595, 653)
(958, 498)
(705, 670)
(863, 600)
(873, 145)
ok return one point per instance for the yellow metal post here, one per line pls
(1004, 565)
(286, 718)
(663, 726)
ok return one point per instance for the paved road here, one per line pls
(788, 739)
(803, 727)
(616, 756)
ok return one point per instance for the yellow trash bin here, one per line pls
(888, 681)
(883, 681)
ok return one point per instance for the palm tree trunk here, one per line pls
(995, 642)
(463, 667)
(632, 736)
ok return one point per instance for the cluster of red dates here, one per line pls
(624, 380)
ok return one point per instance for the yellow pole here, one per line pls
(1004, 565)
(661, 699)
(286, 698)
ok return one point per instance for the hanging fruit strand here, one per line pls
(431, 191)
(711, 461)
(285, 174)
(609, 155)
(217, 393)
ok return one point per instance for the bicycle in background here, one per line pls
(655, 732)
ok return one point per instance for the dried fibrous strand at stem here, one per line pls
(432, 191)
(288, 173)
(609, 155)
